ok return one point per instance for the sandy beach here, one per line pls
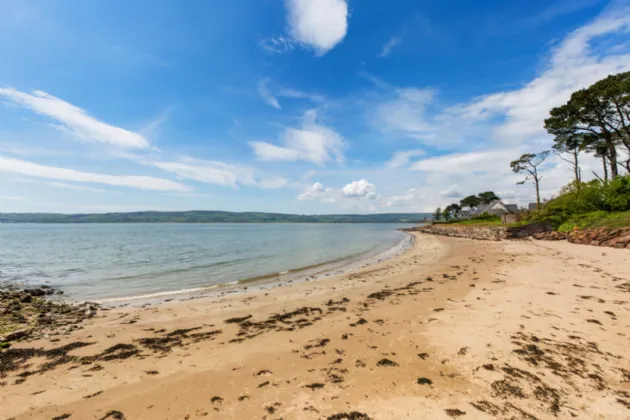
(453, 328)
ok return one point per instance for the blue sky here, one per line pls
(296, 106)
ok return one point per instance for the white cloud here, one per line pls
(312, 143)
(574, 65)
(74, 120)
(314, 191)
(401, 200)
(218, 173)
(74, 187)
(50, 172)
(266, 95)
(358, 195)
(319, 24)
(452, 192)
(491, 161)
(402, 158)
(389, 46)
(360, 189)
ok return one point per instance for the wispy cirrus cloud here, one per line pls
(266, 95)
(402, 158)
(387, 48)
(74, 120)
(36, 170)
(270, 95)
(216, 173)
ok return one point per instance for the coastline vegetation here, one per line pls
(595, 121)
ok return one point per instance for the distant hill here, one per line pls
(209, 217)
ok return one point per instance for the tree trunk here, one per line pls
(537, 182)
(576, 166)
(612, 157)
(605, 161)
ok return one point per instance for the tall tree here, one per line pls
(600, 113)
(438, 214)
(488, 197)
(446, 214)
(472, 201)
(614, 91)
(454, 209)
(568, 148)
(529, 164)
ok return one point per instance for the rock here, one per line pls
(90, 310)
(36, 292)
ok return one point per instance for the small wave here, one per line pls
(167, 293)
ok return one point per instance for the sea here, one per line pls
(128, 262)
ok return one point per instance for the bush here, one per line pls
(582, 221)
(486, 216)
(581, 204)
(617, 194)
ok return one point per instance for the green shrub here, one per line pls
(486, 216)
(617, 194)
(582, 221)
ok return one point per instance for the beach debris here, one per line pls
(386, 362)
(216, 400)
(361, 321)
(353, 415)
(343, 301)
(151, 372)
(114, 414)
(423, 356)
(93, 395)
(62, 417)
(314, 386)
(264, 372)
(424, 381)
(28, 313)
(244, 397)
(237, 320)
(318, 343)
(454, 412)
(488, 407)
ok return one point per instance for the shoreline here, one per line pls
(451, 328)
(313, 272)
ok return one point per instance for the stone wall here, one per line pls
(614, 238)
(488, 233)
(520, 232)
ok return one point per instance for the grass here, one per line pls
(597, 219)
(493, 222)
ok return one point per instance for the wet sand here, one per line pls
(451, 329)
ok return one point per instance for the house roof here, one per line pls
(513, 208)
(483, 208)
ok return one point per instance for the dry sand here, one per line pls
(452, 328)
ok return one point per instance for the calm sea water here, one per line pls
(101, 261)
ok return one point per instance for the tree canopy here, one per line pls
(488, 197)
(596, 118)
(472, 201)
